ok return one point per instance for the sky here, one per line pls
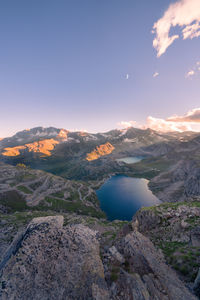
(96, 65)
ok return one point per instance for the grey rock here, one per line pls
(149, 277)
(115, 253)
(55, 263)
(196, 286)
(195, 236)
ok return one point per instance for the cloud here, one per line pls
(78, 130)
(188, 122)
(183, 13)
(193, 116)
(194, 70)
(191, 31)
(127, 76)
(190, 73)
(155, 74)
(166, 126)
(125, 124)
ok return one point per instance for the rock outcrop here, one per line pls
(174, 229)
(101, 150)
(148, 276)
(52, 262)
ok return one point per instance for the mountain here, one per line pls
(171, 160)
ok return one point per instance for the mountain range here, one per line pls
(171, 160)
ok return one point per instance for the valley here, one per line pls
(170, 161)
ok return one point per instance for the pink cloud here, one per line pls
(166, 126)
(193, 116)
(188, 122)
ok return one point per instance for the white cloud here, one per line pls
(195, 70)
(190, 73)
(186, 15)
(125, 124)
(191, 31)
(127, 76)
(155, 74)
(78, 130)
(188, 122)
(166, 126)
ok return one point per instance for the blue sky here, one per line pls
(64, 63)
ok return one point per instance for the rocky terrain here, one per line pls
(101, 150)
(175, 229)
(53, 260)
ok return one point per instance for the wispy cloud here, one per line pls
(186, 15)
(195, 70)
(156, 74)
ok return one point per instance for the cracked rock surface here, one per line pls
(52, 262)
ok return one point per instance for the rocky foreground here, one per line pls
(52, 260)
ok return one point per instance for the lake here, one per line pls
(131, 159)
(121, 196)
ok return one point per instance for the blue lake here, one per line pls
(121, 196)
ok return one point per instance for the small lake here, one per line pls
(131, 160)
(121, 196)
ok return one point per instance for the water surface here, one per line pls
(131, 159)
(121, 196)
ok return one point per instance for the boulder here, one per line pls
(53, 262)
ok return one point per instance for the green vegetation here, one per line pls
(182, 258)
(59, 194)
(24, 189)
(114, 273)
(13, 201)
(170, 247)
(193, 220)
(149, 167)
(76, 207)
(74, 196)
(172, 205)
(25, 176)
